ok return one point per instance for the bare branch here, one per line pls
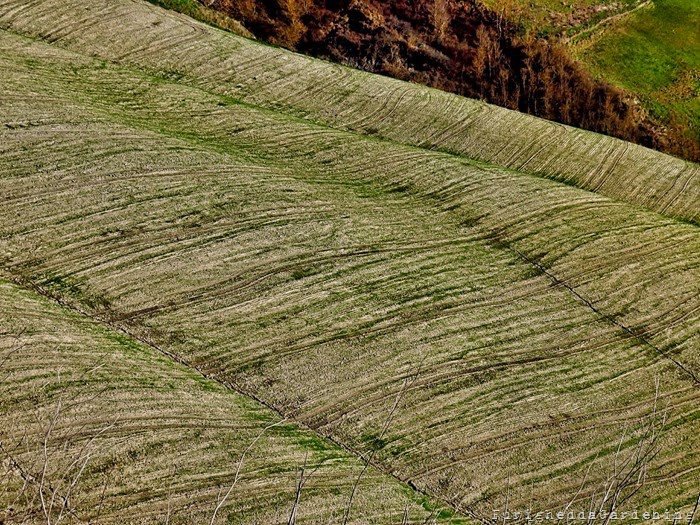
(507, 499)
(170, 495)
(293, 516)
(583, 484)
(695, 510)
(385, 427)
(404, 520)
(102, 499)
(221, 501)
(47, 434)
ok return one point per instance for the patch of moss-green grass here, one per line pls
(653, 53)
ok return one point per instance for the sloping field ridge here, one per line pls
(520, 326)
(348, 99)
(143, 439)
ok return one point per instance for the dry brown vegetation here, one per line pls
(462, 47)
(196, 191)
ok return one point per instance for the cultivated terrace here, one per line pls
(245, 286)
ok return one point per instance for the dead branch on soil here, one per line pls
(48, 487)
(221, 500)
(368, 460)
(629, 469)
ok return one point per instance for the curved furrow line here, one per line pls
(292, 348)
(389, 105)
(679, 476)
(609, 172)
(380, 193)
(333, 82)
(605, 153)
(611, 416)
(595, 263)
(635, 290)
(452, 131)
(233, 286)
(197, 426)
(682, 192)
(487, 448)
(383, 324)
(560, 248)
(158, 244)
(592, 413)
(315, 66)
(537, 152)
(671, 319)
(689, 373)
(586, 279)
(336, 410)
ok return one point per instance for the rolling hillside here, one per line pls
(500, 311)
(344, 99)
(517, 54)
(133, 437)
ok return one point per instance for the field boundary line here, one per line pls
(605, 21)
(629, 331)
(27, 285)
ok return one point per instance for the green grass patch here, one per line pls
(655, 53)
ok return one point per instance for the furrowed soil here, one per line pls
(346, 249)
(133, 437)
